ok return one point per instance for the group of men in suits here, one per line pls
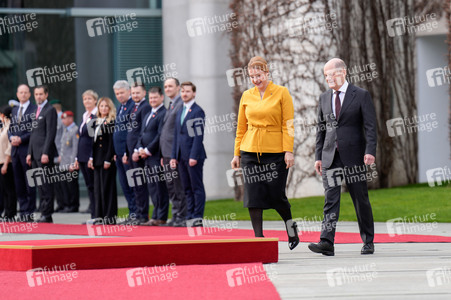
(155, 143)
(147, 136)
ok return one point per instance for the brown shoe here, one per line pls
(159, 222)
(148, 223)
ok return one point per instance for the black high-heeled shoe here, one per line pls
(293, 241)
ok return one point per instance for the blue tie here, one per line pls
(183, 115)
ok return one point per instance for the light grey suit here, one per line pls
(175, 188)
(70, 187)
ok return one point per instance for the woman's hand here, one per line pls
(235, 163)
(4, 169)
(289, 159)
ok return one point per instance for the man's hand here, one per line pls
(125, 159)
(44, 159)
(16, 141)
(289, 159)
(319, 167)
(235, 163)
(161, 162)
(76, 166)
(192, 162)
(173, 163)
(28, 159)
(368, 159)
(106, 165)
(90, 164)
(135, 156)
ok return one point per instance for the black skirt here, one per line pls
(265, 180)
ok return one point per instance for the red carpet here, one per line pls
(111, 230)
(123, 252)
(171, 282)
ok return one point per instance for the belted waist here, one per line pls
(270, 128)
(259, 128)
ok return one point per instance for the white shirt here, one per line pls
(342, 90)
(86, 116)
(154, 110)
(25, 106)
(188, 106)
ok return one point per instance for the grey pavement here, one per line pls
(394, 271)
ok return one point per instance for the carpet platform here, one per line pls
(123, 252)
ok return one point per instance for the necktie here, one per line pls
(337, 104)
(37, 113)
(136, 108)
(183, 114)
(170, 105)
(20, 114)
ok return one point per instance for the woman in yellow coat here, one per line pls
(264, 148)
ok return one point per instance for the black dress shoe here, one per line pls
(69, 210)
(367, 249)
(169, 224)
(323, 247)
(59, 209)
(197, 223)
(180, 224)
(44, 219)
(25, 218)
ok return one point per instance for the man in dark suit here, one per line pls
(42, 149)
(345, 142)
(131, 156)
(19, 135)
(174, 186)
(189, 153)
(122, 91)
(149, 150)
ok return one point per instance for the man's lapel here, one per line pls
(349, 97)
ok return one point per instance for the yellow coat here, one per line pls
(262, 123)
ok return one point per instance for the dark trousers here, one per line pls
(157, 189)
(175, 191)
(128, 192)
(9, 193)
(71, 190)
(88, 175)
(359, 194)
(141, 192)
(105, 193)
(45, 187)
(26, 195)
(59, 191)
(193, 185)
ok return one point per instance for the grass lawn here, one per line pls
(407, 201)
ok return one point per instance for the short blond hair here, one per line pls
(90, 93)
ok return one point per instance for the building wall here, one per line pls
(203, 59)
(433, 147)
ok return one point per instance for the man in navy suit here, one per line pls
(42, 149)
(131, 156)
(149, 150)
(19, 135)
(122, 91)
(189, 152)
